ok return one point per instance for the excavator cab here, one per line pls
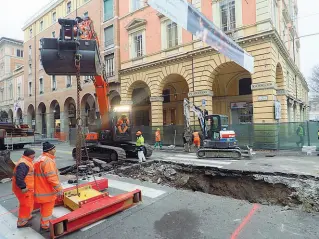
(121, 123)
(58, 55)
(217, 134)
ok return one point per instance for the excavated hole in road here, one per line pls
(269, 190)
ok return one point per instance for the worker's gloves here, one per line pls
(24, 190)
(60, 195)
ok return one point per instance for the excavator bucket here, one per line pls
(58, 57)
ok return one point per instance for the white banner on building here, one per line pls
(188, 17)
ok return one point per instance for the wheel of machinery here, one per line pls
(200, 154)
(114, 156)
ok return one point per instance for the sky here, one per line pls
(16, 13)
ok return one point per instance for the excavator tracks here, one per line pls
(103, 152)
(219, 153)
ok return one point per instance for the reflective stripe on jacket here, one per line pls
(46, 180)
(157, 136)
(29, 177)
(196, 136)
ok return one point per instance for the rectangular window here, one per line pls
(172, 34)
(228, 15)
(30, 88)
(108, 37)
(53, 17)
(18, 53)
(245, 86)
(138, 45)
(30, 32)
(41, 26)
(166, 96)
(41, 86)
(53, 34)
(30, 68)
(136, 4)
(68, 81)
(19, 92)
(86, 14)
(21, 53)
(30, 49)
(68, 7)
(108, 9)
(54, 86)
(109, 65)
(11, 91)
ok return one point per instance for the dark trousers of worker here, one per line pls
(46, 210)
(301, 141)
(26, 203)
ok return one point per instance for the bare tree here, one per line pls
(314, 81)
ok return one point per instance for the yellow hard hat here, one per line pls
(158, 129)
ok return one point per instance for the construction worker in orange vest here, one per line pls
(46, 184)
(196, 139)
(23, 187)
(158, 141)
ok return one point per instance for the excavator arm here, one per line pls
(76, 51)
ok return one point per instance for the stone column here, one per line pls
(263, 101)
(264, 96)
(157, 110)
(197, 98)
(282, 97)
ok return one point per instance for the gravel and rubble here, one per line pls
(289, 190)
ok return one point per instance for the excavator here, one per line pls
(218, 140)
(76, 52)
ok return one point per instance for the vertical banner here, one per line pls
(188, 17)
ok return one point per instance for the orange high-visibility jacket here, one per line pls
(196, 136)
(29, 179)
(123, 121)
(46, 180)
(157, 136)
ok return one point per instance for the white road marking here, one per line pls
(9, 230)
(146, 191)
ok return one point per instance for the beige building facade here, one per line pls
(162, 64)
(11, 80)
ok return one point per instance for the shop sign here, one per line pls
(33, 122)
(203, 102)
(201, 93)
(277, 110)
(262, 86)
(238, 105)
(263, 98)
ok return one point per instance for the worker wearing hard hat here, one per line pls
(158, 141)
(46, 184)
(122, 124)
(140, 146)
(23, 187)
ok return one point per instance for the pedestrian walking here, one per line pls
(140, 146)
(158, 141)
(23, 187)
(46, 184)
(301, 133)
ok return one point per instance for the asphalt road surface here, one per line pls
(167, 213)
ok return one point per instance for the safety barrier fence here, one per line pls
(277, 136)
